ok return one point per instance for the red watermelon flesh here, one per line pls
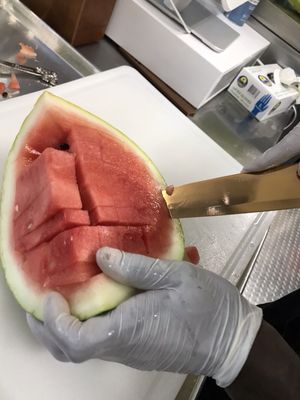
(73, 184)
(112, 215)
(57, 190)
(103, 164)
(63, 220)
(67, 259)
(70, 256)
(118, 197)
(50, 166)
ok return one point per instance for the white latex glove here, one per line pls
(189, 320)
(285, 150)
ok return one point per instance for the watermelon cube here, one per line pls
(123, 216)
(51, 166)
(58, 195)
(63, 220)
(127, 238)
(47, 186)
(68, 258)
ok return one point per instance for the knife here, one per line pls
(274, 189)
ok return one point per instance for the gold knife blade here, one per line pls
(275, 189)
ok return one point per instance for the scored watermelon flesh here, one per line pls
(70, 203)
(63, 220)
(70, 256)
(45, 187)
(124, 216)
(102, 166)
(53, 166)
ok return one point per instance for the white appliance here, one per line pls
(197, 19)
(182, 61)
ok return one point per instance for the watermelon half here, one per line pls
(73, 184)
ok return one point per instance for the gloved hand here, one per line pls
(188, 320)
(287, 149)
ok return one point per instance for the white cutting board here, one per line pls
(183, 153)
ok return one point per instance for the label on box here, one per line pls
(259, 90)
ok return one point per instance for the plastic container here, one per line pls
(241, 14)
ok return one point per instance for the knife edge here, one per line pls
(274, 189)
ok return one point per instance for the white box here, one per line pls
(184, 63)
(257, 90)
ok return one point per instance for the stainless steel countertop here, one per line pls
(280, 19)
(18, 24)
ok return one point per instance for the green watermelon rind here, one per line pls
(99, 294)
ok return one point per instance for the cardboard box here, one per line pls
(78, 21)
(258, 90)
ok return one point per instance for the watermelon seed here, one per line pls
(64, 146)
